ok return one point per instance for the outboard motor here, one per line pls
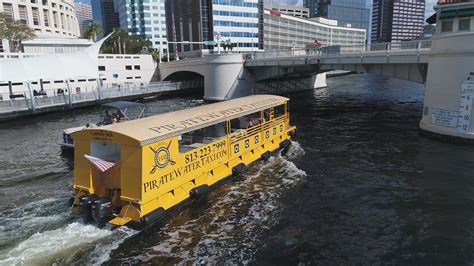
(102, 211)
(85, 203)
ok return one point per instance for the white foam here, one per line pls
(102, 251)
(49, 246)
(294, 150)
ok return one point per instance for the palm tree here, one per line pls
(91, 31)
(120, 37)
(15, 32)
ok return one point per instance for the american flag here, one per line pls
(100, 164)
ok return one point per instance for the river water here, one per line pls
(358, 186)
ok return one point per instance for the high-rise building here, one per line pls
(84, 15)
(397, 20)
(348, 13)
(53, 19)
(104, 13)
(239, 23)
(146, 19)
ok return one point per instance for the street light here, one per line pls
(218, 37)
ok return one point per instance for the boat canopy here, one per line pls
(123, 105)
(155, 128)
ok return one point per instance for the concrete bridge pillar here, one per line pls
(224, 72)
(450, 79)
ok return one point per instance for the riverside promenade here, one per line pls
(31, 105)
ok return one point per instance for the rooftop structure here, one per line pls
(291, 10)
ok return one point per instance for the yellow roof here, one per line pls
(155, 128)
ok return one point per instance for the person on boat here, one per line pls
(108, 119)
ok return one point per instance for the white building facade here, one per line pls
(84, 15)
(287, 32)
(237, 22)
(48, 18)
(113, 69)
(145, 18)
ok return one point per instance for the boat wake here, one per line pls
(43, 233)
(230, 225)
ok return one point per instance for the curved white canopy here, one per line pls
(80, 64)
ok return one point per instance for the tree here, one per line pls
(120, 37)
(91, 31)
(15, 32)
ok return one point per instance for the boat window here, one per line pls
(279, 110)
(447, 25)
(266, 114)
(201, 137)
(245, 122)
(105, 150)
(464, 24)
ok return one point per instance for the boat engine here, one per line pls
(85, 203)
(102, 211)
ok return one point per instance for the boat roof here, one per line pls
(155, 128)
(123, 104)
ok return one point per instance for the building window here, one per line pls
(8, 10)
(447, 25)
(137, 67)
(101, 68)
(128, 67)
(464, 24)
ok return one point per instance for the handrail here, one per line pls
(338, 51)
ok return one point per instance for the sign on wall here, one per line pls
(443, 117)
(465, 106)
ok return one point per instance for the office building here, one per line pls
(291, 10)
(348, 13)
(288, 32)
(53, 18)
(397, 20)
(235, 22)
(84, 15)
(146, 19)
(48, 19)
(105, 15)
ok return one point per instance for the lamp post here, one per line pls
(218, 38)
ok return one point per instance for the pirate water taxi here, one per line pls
(133, 172)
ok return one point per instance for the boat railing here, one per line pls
(257, 129)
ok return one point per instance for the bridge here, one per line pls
(232, 75)
(445, 64)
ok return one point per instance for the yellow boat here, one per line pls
(132, 172)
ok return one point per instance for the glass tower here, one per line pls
(103, 13)
(348, 13)
(238, 22)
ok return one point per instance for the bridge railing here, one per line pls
(337, 51)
